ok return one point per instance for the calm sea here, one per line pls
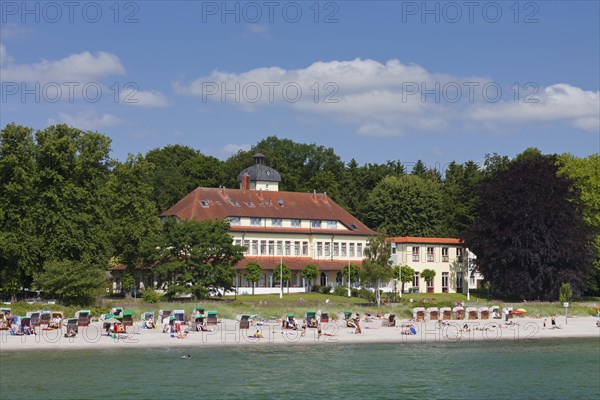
(566, 369)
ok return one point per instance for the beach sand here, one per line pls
(227, 333)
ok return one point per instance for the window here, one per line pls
(315, 224)
(254, 247)
(288, 247)
(255, 221)
(331, 224)
(336, 249)
(344, 250)
(319, 249)
(296, 223)
(445, 257)
(276, 222)
(234, 203)
(279, 247)
(416, 279)
(305, 248)
(359, 252)
(271, 247)
(204, 203)
(430, 254)
(296, 248)
(263, 247)
(444, 282)
(247, 246)
(394, 250)
(327, 249)
(459, 255)
(249, 204)
(238, 242)
(351, 246)
(235, 221)
(415, 253)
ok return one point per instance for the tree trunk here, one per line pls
(252, 288)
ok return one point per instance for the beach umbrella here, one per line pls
(521, 310)
(112, 321)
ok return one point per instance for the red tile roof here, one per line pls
(419, 240)
(296, 263)
(223, 203)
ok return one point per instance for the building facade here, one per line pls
(296, 229)
(452, 263)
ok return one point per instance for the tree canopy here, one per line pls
(530, 235)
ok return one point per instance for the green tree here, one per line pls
(585, 174)
(530, 235)
(309, 274)
(72, 213)
(253, 273)
(177, 170)
(459, 201)
(354, 273)
(565, 293)
(403, 274)
(74, 282)
(428, 275)
(282, 272)
(405, 206)
(376, 268)
(20, 247)
(133, 213)
(197, 257)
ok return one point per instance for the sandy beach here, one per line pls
(227, 333)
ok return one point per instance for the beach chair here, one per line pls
(484, 313)
(446, 313)
(389, 321)
(73, 325)
(163, 314)
(459, 312)
(179, 316)
(146, 316)
(245, 322)
(211, 318)
(117, 311)
(83, 317)
(127, 318)
(471, 312)
(58, 315)
(419, 314)
(324, 318)
(495, 312)
(433, 313)
(45, 317)
(35, 318)
(311, 319)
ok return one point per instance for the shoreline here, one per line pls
(227, 334)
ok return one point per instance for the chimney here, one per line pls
(245, 182)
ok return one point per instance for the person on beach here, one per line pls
(544, 326)
(319, 330)
(303, 331)
(506, 312)
(357, 329)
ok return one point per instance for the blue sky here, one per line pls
(376, 80)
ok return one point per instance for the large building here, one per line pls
(452, 263)
(275, 227)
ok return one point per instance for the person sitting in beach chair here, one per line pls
(70, 333)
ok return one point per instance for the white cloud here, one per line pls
(234, 148)
(86, 120)
(81, 67)
(144, 98)
(257, 30)
(4, 57)
(392, 98)
(559, 102)
(10, 30)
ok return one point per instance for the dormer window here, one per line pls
(255, 221)
(276, 222)
(331, 224)
(249, 204)
(204, 203)
(315, 223)
(235, 221)
(296, 223)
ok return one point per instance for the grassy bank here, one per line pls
(271, 306)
